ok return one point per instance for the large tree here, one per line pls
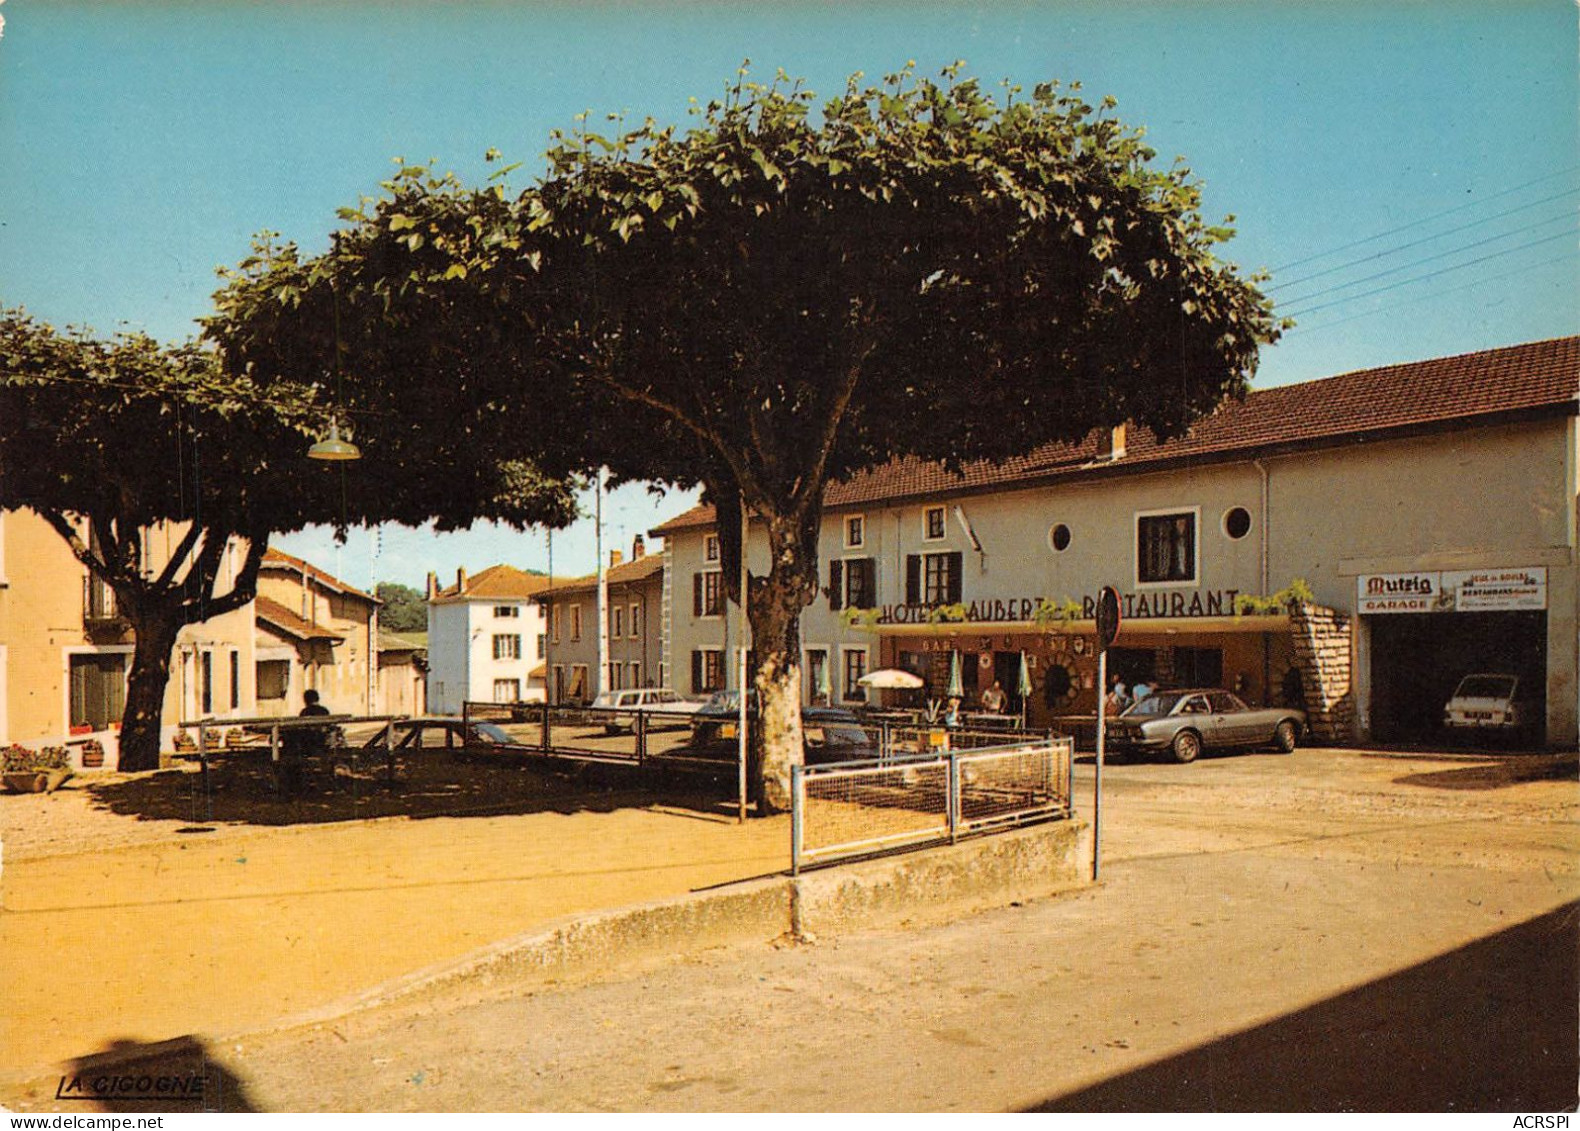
(109, 440)
(783, 295)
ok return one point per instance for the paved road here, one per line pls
(1326, 931)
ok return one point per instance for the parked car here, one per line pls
(832, 734)
(1486, 703)
(661, 706)
(1188, 721)
(441, 733)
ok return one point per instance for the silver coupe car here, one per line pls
(1185, 722)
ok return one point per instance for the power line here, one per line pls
(1428, 259)
(1521, 270)
(1425, 219)
(1422, 240)
(1435, 274)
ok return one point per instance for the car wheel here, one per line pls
(1285, 735)
(1187, 744)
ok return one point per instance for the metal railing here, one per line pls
(601, 734)
(858, 808)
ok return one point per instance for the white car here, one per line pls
(1485, 701)
(660, 705)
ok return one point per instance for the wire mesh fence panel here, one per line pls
(1006, 785)
(903, 741)
(846, 810)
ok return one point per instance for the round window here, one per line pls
(1059, 538)
(1237, 522)
(1060, 687)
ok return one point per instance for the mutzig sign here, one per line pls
(1449, 591)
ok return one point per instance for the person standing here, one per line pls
(993, 699)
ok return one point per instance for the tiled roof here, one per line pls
(626, 573)
(278, 616)
(278, 559)
(1368, 403)
(403, 641)
(496, 583)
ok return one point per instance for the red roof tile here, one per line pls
(279, 559)
(277, 615)
(1448, 391)
(496, 583)
(626, 573)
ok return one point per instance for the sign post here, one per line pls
(1107, 631)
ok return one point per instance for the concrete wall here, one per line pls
(461, 651)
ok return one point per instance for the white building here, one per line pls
(485, 639)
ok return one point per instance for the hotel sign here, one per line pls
(1448, 591)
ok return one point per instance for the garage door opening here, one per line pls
(1417, 660)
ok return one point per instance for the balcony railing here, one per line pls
(98, 602)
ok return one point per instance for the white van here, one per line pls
(662, 707)
(1484, 701)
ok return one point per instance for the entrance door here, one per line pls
(1417, 660)
(1006, 669)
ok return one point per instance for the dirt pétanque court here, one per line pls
(119, 926)
(127, 915)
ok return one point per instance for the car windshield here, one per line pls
(1485, 687)
(491, 733)
(1158, 703)
(607, 699)
(722, 701)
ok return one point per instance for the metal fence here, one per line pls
(596, 734)
(858, 808)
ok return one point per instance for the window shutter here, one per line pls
(913, 579)
(696, 595)
(870, 591)
(696, 672)
(836, 584)
(955, 571)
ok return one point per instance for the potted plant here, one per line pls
(92, 754)
(33, 771)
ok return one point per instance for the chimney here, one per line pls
(638, 548)
(615, 558)
(433, 585)
(460, 580)
(1111, 443)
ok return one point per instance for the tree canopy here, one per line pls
(404, 608)
(107, 439)
(782, 295)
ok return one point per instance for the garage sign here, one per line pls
(1448, 591)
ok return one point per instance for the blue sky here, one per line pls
(1408, 171)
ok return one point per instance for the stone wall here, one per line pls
(1325, 658)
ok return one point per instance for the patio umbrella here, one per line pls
(1023, 686)
(890, 678)
(957, 688)
(823, 689)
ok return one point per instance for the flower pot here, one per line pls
(30, 781)
(92, 755)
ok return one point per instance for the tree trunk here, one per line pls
(775, 613)
(145, 690)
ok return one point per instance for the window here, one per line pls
(274, 678)
(855, 532)
(855, 668)
(636, 619)
(206, 682)
(853, 583)
(633, 674)
(612, 677)
(507, 648)
(576, 622)
(507, 690)
(707, 597)
(554, 623)
(1166, 548)
(710, 548)
(618, 628)
(507, 610)
(559, 683)
(1059, 538)
(707, 670)
(98, 689)
(543, 647)
(1237, 522)
(578, 688)
(933, 524)
(235, 680)
(819, 687)
(933, 579)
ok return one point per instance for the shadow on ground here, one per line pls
(1497, 775)
(179, 1075)
(1488, 1027)
(241, 789)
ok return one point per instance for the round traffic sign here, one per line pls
(1107, 617)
